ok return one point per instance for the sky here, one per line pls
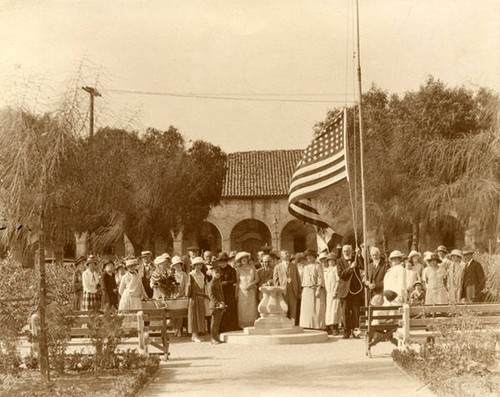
(293, 58)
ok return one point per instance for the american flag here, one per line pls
(323, 165)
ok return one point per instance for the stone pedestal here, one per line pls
(273, 326)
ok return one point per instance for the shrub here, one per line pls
(106, 333)
(491, 266)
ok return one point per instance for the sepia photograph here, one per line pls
(249, 198)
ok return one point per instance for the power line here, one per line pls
(236, 97)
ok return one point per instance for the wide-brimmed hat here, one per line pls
(427, 255)
(309, 252)
(396, 254)
(146, 253)
(240, 255)
(91, 259)
(435, 257)
(176, 260)
(131, 262)
(413, 253)
(299, 256)
(441, 248)
(323, 255)
(332, 256)
(417, 283)
(468, 250)
(223, 257)
(456, 253)
(193, 248)
(197, 260)
(160, 259)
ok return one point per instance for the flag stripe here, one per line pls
(312, 167)
(322, 175)
(315, 188)
(323, 165)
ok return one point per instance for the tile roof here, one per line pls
(264, 173)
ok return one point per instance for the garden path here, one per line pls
(336, 368)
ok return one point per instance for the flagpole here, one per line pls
(361, 150)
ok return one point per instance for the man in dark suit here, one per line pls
(286, 275)
(473, 280)
(374, 278)
(350, 289)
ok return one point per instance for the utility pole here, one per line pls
(93, 93)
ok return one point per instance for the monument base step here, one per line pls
(297, 338)
(274, 331)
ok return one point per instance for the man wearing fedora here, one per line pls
(473, 280)
(286, 276)
(350, 290)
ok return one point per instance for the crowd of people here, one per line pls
(324, 291)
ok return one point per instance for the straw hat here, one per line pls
(309, 252)
(467, 250)
(198, 260)
(91, 259)
(160, 259)
(412, 254)
(457, 253)
(176, 260)
(396, 254)
(323, 255)
(241, 255)
(131, 262)
(146, 253)
(442, 248)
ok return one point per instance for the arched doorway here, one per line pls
(249, 235)
(298, 236)
(205, 237)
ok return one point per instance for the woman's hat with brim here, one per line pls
(240, 255)
(198, 260)
(435, 257)
(177, 260)
(161, 259)
(131, 262)
(467, 250)
(413, 253)
(106, 263)
(456, 253)
(323, 256)
(91, 259)
(396, 254)
(442, 248)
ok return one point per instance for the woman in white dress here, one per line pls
(313, 305)
(131, 288)
(333, 312)
(434, 277)
(246, 287)
(395, 277)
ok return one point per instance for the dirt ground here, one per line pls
(336, 368)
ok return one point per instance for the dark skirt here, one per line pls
(196, 315)
(229, 320)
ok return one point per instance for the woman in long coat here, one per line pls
(109, 291)
(229, 320)
(197, 296)
(247, 280)
(313, 305)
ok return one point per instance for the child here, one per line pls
(417, 294)
(217, 305)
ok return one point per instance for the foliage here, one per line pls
(144, 185)
(429, 154)
(58, 335)
(461, 361)
(106, 333)
(491, 266)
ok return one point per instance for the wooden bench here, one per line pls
(379, 324)
(418, 323)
